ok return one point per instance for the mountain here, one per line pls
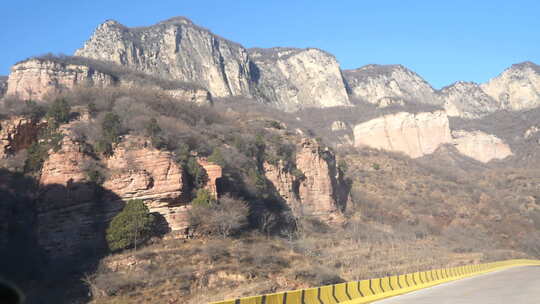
(289, 79)
(264, 169)
(174, 49)
(467, 100)
(292, 79)
(517, 88)
(177, 49)
(38, 77)
(385, 85)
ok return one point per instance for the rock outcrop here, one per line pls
(17, 133)
(480, 146)
(413, 134)
(70, 214)
(291, 79)
(421, 134)
(139, 171)
(339, 125)
(37, 77)
(517, 88)
(467, 100)
(530, 132)
(65, 166)
(320, 192)
(175, 49)
(386, 85)
(214, 172)
(3, 85)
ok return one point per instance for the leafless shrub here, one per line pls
(226, 217)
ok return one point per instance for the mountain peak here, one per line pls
(177, 20)
(526, 65)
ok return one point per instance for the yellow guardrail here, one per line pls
(367, 291)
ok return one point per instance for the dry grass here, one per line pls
(405, 216)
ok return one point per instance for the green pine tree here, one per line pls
(131, 227)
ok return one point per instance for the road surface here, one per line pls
(516, 285)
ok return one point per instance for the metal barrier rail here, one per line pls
(366, 291)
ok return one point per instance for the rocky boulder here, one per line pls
(386, 85)
(467, 100)
(174, 49)
(517, 88)
(292, 79)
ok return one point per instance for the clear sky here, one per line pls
(443, 41)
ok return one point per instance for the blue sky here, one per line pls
(443, 42)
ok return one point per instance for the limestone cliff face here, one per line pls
(467, 100)
(3, 85)
(177, 49)
(321, 192)
(480, 146)
(385, 85)
(174, 49)
(291, 79)
(517, 88)
(413, 134)
(421, 134)
(35, 78)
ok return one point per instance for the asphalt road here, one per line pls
(516, 285)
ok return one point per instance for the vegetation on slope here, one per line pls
(405, 215)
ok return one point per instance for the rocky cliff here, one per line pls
(71, 208)
(467, 100)
(175, 49)
(320, 191)
(3, 85)
(292, 79)
(70, 212)
(287, 78)
(480, 146)
(517, 88)
(178, 49)
(417, 135)
(413, 134)
(37, 77)
(386, 85)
